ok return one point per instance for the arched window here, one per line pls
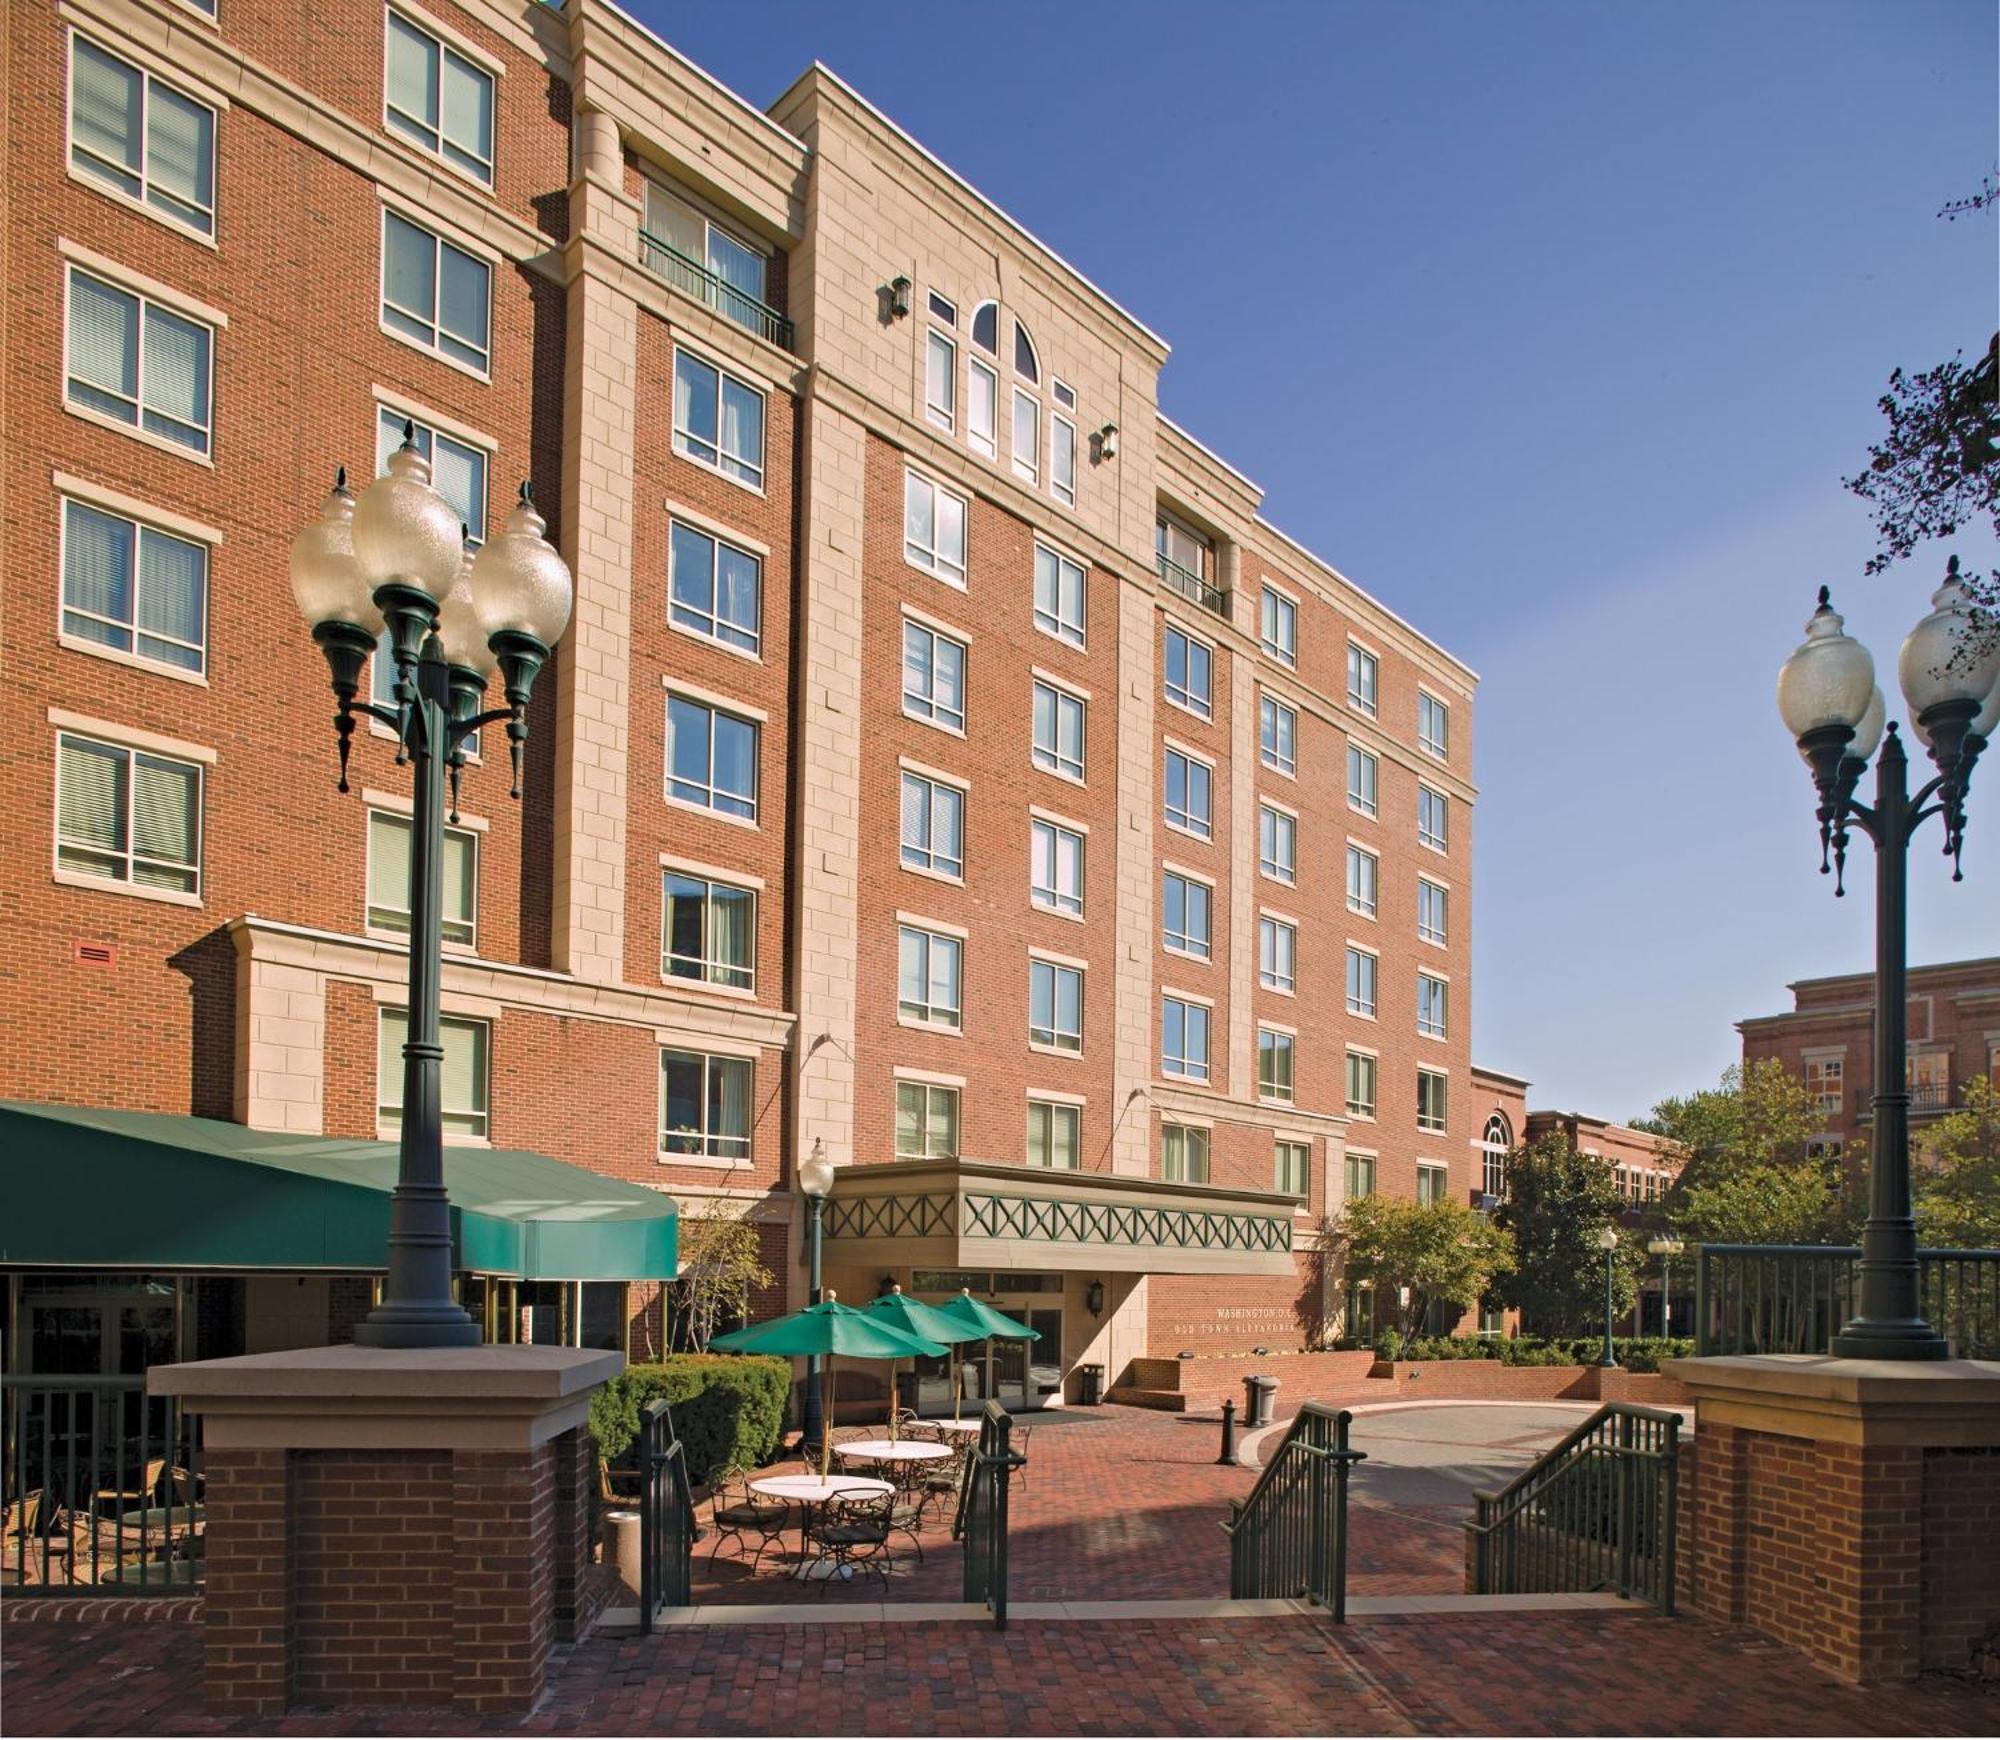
(986, 327)
(1026, 364)
(1495, 1144)
(1498, 1135)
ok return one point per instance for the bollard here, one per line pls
(1228, 1457)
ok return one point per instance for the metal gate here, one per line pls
(666, 1517)
(981, 1519)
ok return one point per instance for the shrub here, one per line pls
(1634, 1354)
(1389, 1345)
(728, 1409)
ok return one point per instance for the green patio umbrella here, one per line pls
(820, 1332)
(917, 1318)
(986, 1324)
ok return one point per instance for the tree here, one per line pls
(1557, 1202)
(722, 1264)
(1958, 1176)
(1442, 1251)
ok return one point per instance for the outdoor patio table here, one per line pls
(890, 1450)
(965, 1428)
(809, 1491)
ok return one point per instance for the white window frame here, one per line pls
(1186, 821)
(712, 706)
(1051, 760)
(1027, 467)
(1429, 1025)
(397, 921)
(1285, 1043)
(1439, 933)
(132, 749)
(1366, 1003)
(1187, 1065)
(1062, 459)
(930, 861)
(389, 1115)
(1278, 625)
(1435, 1177)
(711, 1151)
(934, 559)
(1202, 706)
(1357, 1107)
(142, 201)
(1054, 1109)
(409, 134)
(1050, 898)
(929, 1012)
(985, 442)
(142, 525)
(916, 1085)
(1281, 862)
(1433, 725)
(1360, 1167)
(1062, 623)
(1283, 1150)
(434, 346)
(136, 425)
(927, 709)
(685, 440)
(1281, 972)
(1370, 803)
(712, 964)
(944, 414)
(1434, 1123)
(1363, 901)
(1185, 941)
(1436, 839)
(1191, 1168)
(1271, 752)
(1364, 680)
(716, 545)
(1059, 1038)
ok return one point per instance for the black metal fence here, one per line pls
(667, 1530)
(980, 1522)
(1288, 1539)
(1795, 1298)
(103, 1488)
(1595, 1513)
(724, 297)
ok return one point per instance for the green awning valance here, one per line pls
(144, 1190)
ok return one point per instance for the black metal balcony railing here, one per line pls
(703, 285)
(1288, 1539)
(1795, 1298)
(102, 1486)
(1189, 584)
(1930, 1096)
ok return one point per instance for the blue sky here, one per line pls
(1555, 327)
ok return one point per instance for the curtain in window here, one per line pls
(686, 904)
(106, 97)
(180, 156)
(743, 427)
(176, 378)
(729, 1106)
(389, 871)
(919, 514)
(732, 919)
(173, 578)
(694, 402)
(93, 805)
(944, 975)
(736, 600)
(736, 763)
(97, 574)
(104, 345)
(165, 821)
(674, 222)
(739, 267)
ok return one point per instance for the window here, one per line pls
(436, 295)
(1055, 1005)
(127, 815)
(728, 273)
(926, 1121)
(1278, 735)
(1433, 726)
(1062, 460)
(1280, 627)
(440, 100)
(1360, 982)
(1055, 873)
(1431, 823)
(704, 1105)
(941, 381)
(933, 825)
(1432, 1088)
(1362, 679)
(1361, 1076)
(1277, 953)
(1277, 843)
(1025, 363)
(933, 676)
(1431, 997)
(1291, 1168)
(929, 970)
(142, 138)
(1826, 1082)
(716, 589)
(944, 309)
(1358, 1322)
(986, 327)
(136, 362)
(1363, 780)
(389, 878)
(1189, 794)
(1928, 1077)
(1184, 1039)
(462, 1075)
(1054, 1135)
(1364, 872)
(1190, 665)
(1274, 1064)
(1183, 1154)
(1432, 1183)
(1186, 906)
(708, 931)
(1183, 559)
(1058, 596)
(1027, 437)
(1360, 1176)
(1433, 904)
(133, 588)
(1058, 740)
(711, 758)
(1494, 1146)
(718, 420)
(982, 408)
(933, 529)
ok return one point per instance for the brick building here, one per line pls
(1827, 1038)
(945, 765)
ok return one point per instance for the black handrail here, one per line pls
(1288, 1539)
(980, 1521)
(664, 260)
(667, 1530)
(1795, 1298)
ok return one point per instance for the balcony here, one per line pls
(1189, 584)
(976, 1214)
(696, 280)
(1930, 1096)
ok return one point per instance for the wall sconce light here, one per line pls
(1107, 442)
(1093, 1298)
(899, 297)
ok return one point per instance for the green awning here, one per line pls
(143, 1190)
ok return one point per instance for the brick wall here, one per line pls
(1961, 1553)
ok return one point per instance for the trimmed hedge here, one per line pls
(1635, 1353)
(728, 1408)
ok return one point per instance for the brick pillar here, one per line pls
(1806, 1497)
(391, 1527)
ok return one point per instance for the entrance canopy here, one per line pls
(145, 1190)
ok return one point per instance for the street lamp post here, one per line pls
(815, 1178)
(396, 556)
(1666, 1250)
(1607, 1242)
(1828, 697)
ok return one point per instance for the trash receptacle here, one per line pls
(1260, 1394)
(1089, 1385)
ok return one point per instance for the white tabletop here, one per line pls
(814, 1490)
(887, 1450)
(968, 1427)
